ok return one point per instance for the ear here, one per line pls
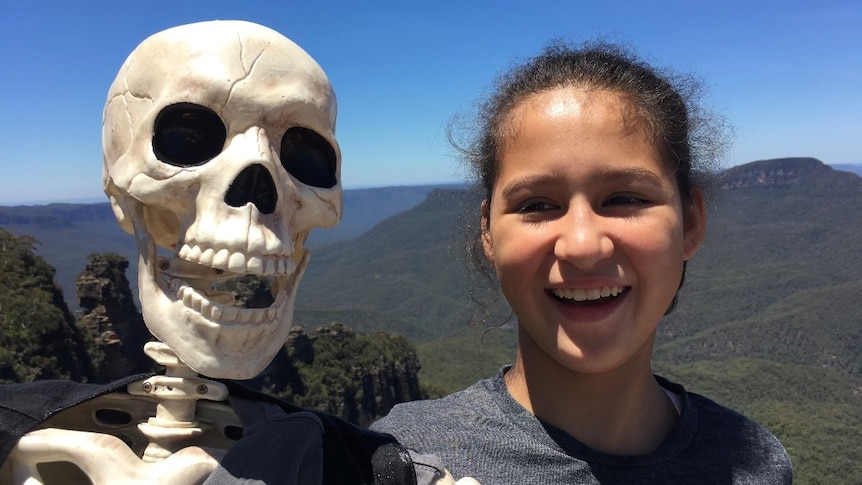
(694, 223)
(485, 229)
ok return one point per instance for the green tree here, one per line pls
(38, 335)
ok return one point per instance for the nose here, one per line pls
(254, 184)
(583, 239)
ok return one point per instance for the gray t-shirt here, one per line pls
(482, 432)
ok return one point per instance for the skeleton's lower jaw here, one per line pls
(213, 338)
(225, 313)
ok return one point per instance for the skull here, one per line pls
(220, 156)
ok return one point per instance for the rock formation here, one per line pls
(357, 377)
(111, 317)
(780, 172)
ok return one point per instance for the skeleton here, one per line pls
(219, 156)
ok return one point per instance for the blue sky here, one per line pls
(786, 74)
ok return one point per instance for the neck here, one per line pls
(623, 411)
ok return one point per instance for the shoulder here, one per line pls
(715, 418)
(726, 424)
(472, 401)
(457, 417)
(724, 437)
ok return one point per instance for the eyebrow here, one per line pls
(632, 174)
(616, 174)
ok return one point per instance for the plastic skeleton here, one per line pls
(219, 156)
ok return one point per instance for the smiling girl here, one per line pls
(593, 202)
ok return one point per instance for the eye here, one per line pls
(532, 206)
(187, 134)
(625, 199)
(308, 157)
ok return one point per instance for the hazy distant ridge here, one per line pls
(70, 232)
(768, 320)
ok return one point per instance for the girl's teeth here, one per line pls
(591, 294)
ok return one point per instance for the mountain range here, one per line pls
(769, 320)
(68, 233)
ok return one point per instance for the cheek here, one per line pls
(660, 245)
(657, 252)
(516, 256)
(661, 236)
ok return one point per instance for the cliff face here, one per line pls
(111, 317)
(357, 377)
(38, 336)
(780, 172)
(383, 387)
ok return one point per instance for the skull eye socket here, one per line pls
(187, 134)
(308, 157)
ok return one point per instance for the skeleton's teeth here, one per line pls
(221, 258)
(290, 266)
(269, 266)
(206, 308)
(273, 245)
(237, 262)
(215, 313)
(255, 265)
(230, 313)
(207, 257)
(257, 315)
(185, 294)
(217, 307)
(197, 301)
(223, 298)
(590, 294)
(184, 276)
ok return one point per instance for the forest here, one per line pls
(769, 320)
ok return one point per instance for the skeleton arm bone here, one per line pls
(91, 452)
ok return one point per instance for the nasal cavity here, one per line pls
(253, 185)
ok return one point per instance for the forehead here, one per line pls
(576, 104)
(570, 132)
(232, 67)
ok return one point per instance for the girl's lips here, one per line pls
(586, 294)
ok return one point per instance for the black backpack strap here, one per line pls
(351, 455)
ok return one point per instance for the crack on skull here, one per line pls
(129, 92)
(149, 177)
(246, 70)
(125, 97)
(330, 204)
